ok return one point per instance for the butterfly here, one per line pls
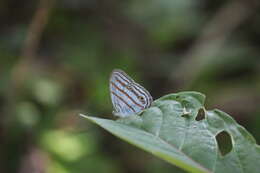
(128, 97)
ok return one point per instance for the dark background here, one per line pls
(56, 58)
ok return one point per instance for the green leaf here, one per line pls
(170, 130)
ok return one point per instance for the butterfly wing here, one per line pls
(127, 96)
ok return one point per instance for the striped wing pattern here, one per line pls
(128, 97)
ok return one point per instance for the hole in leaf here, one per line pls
(185, 115)
(200, 115)
(185, 112)
(224, 142)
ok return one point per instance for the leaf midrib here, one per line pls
(164, 141)
(167, 143)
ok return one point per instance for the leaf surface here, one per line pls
(169, 130)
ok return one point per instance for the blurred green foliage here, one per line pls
(65, 72)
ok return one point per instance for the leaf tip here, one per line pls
(87, 117)
(84, 116)
(90, 118)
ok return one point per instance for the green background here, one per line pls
(56, 58)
